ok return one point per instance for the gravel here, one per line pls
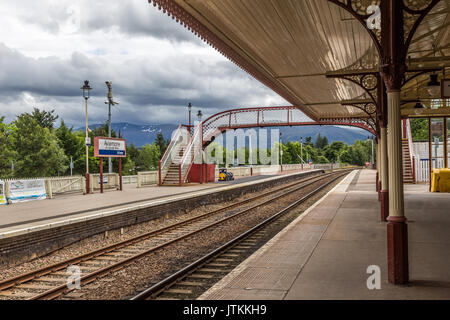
(134, 278)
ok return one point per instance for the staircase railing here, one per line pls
(411, 149)
(172, 149)
(192, 150)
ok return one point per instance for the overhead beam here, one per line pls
(300, 76)
(425, 35)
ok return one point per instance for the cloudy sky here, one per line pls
(49, 47)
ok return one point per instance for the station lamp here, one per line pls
(418, 108)
(434, 86)
(190, 109)
(86, 90)
(86, 95)
(199, 115)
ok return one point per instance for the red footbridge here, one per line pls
(188, 141)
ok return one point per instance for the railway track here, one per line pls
(51, 282)
(194, 279)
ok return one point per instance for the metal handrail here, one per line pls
(166, 160)
(190, 153)
(412, 155)
(410, 140)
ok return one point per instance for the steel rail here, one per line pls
(62, 289)
(159, 287)
(6, 284)
(59, 290)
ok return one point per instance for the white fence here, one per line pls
(77, 184)
(147, 178)
(423, 168)
(110, 181)
(422, 162)
(62, 185)
(54, 185)
(129, 179)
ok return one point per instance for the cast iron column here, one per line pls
(393, 71)
(384, 176)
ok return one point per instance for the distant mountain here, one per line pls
(143, 134)
(140, 135)
(347, 135)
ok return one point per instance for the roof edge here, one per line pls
(178, 13)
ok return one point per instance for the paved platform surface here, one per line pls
(325, 253)
(65, 208)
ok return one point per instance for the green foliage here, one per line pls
(38, 151)
(148, 158)
(161, 143)
(321, 142)
(7, 154)
(419, 129)
(45, 119)
(73, 146)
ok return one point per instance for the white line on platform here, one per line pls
(238, 270)
(49, 225)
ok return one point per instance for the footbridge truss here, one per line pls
(188, 142)
(274, 117)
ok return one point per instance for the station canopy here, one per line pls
(291, 45)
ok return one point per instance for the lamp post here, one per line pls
(301, 151)
(371, 157)
(190, 110)
(199, 116)
(110, 103)
(86, 95)
(281, 152)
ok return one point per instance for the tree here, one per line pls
(38, 152)
(333, 151)
(161, 143)
(321, 142)
(72, 145)
(7, 154)
(132, 152)
(308, 141)
(46, 119)
(419, 129)
(148, 158)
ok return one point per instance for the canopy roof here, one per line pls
(291, 45)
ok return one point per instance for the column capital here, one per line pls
(392, 75)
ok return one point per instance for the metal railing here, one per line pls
(173, 149)
(193, 150)
(412, 156)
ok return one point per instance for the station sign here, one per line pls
(110, 147)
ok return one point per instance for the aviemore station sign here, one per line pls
(110, 147)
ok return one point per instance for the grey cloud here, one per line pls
(148, 91)
(132, 17)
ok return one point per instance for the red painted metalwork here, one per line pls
(120, 175)
(88, 187)
(271, 117)
(101, 175)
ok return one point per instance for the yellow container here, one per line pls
(435, 180)
(444, 180)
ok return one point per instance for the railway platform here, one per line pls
(65, 208)
(327, 252)
(35, 228)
